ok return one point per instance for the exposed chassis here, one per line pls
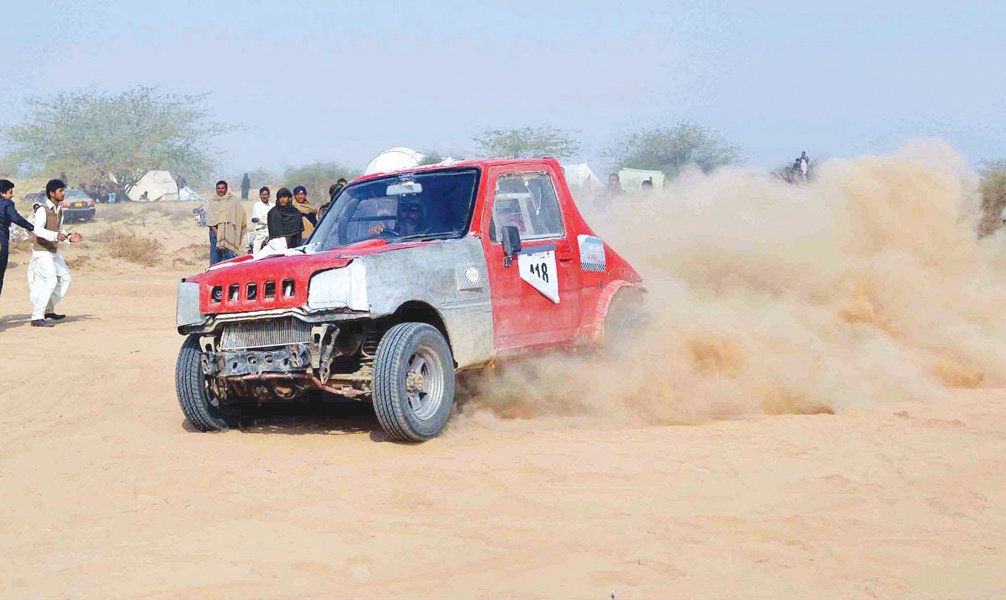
(336, 359)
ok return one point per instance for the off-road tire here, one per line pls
(625, 323)
(193, 395)
(400, 345)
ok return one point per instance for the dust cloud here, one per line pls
(866, 286)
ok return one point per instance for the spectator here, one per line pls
(227, 223)
(310, 213)
(614, 187)
(285, 221)
(8, 216)
(801, 168)
(611, 191)
(48, 274)
(260, 214)
(333, 191)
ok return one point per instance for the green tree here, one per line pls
(431, 157)
(317, 178)
(9, 167)
(526, 142)
(108, 142)
(670, 149)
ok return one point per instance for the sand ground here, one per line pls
(105, 493)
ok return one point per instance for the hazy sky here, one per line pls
(340, 81)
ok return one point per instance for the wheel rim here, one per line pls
(424, 383)
(214, 405)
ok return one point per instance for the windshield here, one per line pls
(74, 194)
(434, 205)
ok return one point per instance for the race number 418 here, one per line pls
(538, 270)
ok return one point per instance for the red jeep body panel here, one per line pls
(242, 271)
(523, 319)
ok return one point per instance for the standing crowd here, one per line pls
(287, 223)
(48, 274)
(799, 172)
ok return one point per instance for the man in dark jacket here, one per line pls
(8, 216)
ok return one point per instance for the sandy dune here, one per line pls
(104, 493)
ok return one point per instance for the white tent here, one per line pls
(581, 176)
(157, 185)
(632, 179)
(394, 159)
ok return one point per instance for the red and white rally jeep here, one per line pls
(409, 278)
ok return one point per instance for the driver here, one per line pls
(411, 221)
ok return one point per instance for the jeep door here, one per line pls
(536, 297)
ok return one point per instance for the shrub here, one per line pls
(133, 248)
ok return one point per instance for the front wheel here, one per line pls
(199, 404)
(413, 382)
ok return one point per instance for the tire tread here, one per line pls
(189, 388)
(389, 403)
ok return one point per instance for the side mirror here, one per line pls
(511, 243)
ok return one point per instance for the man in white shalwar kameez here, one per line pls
(260, 218)
(48, 275)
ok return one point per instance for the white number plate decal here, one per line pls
(538, 269)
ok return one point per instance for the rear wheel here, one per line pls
(199, 404)
(413, 382)
(625, 323)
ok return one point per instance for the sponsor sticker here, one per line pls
(592, 256)
(468, 277)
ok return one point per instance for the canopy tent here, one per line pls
(632, 179)
(153, 187)
(581, 176)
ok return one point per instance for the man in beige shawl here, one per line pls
(310, 213)
(228, 225)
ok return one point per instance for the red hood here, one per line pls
(278, 271)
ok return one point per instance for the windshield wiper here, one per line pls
(417, 236)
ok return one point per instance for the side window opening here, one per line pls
(528, 202)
